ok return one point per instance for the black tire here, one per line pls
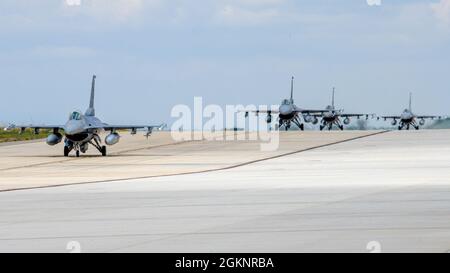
(66, 151)
(103, 150)
(341, 127)
(321, 127)
(302, 127)
(78, 153)
(399, 128)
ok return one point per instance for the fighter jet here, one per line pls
(408, 118)
(9, 127)
(332, 116)
(288, 113)
(81, 130)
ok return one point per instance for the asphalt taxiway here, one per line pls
(321, 192)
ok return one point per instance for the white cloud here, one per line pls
(73, 2)
(109, 10)
(234, 15)
(442, 10)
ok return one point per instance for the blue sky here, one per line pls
(150, 55)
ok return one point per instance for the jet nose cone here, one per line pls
(285, 109)
(73, 127)
(406, 116)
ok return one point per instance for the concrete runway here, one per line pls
(35, 164)
(391, 189)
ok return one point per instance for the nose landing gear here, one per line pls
(287, 126)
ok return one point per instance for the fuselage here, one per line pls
(287, 110)
(407, 116)
(77, 128)
(331, 115)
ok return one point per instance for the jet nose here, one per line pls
(73, 127)
(285, 109)
(405, 116)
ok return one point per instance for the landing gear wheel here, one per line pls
(321, 127)
(66, 151)
(399, 128)
(417, 127)
(78, 153)
(302, 127)
(341, 127)
(103, 150)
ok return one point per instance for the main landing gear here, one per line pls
(103, 151)
(97, 145)
(300, 125)
(329, 125)
(408, 126)
(66, 150)
(82, 147)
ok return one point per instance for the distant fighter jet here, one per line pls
(408, 119)
(82, 130)
(9, 127)
(288, 113)
(331, 116)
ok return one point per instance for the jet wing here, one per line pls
(311, 111)
(133, 128)
(316, 113)
(357, 115)
(257, 112)
(390, 117)
(261, 111)
(429, 117)
(36, 128)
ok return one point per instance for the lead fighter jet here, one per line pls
(81, 130)
(289, 113)
(408, 118)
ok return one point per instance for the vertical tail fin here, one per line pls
(410, 102)
(292, 89)
(332, 98)
(91, 110)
